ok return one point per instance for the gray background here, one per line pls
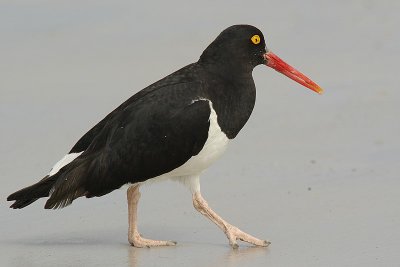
(318, 176)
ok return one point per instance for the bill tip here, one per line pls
(320, 91)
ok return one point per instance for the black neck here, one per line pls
(233, 96)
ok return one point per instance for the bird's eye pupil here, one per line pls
(255, 39)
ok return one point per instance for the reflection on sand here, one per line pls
(211, 255)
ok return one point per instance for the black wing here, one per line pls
(178, 77)
(148, 137)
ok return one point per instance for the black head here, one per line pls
(239, 47)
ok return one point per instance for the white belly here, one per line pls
(214, 147)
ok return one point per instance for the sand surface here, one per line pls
(318, 176)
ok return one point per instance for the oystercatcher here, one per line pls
(173, 129)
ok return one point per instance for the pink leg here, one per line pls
(233, 233)
(134, 237)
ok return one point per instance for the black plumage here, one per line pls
(175, 128)
(162, 126)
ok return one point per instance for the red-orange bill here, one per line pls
(281, 66)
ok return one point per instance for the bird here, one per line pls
(173, 129)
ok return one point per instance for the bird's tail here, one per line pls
(62, 187)
(30, 194)
(84, 176)
(70, 184)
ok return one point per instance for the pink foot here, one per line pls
(134, 237)
(137, 241)
(233, 233)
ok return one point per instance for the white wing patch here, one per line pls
(64, 161)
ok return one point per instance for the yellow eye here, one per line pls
(255, 39)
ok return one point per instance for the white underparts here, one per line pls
(189, 173)
(64, 161)
(190, 182)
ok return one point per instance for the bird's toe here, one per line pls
(171, 243)
(141, 242)
(234, 245)
(266, 243)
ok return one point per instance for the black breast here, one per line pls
(233, 99)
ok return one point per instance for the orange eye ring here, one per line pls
(255, 39)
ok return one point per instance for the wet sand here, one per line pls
(318, 176)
